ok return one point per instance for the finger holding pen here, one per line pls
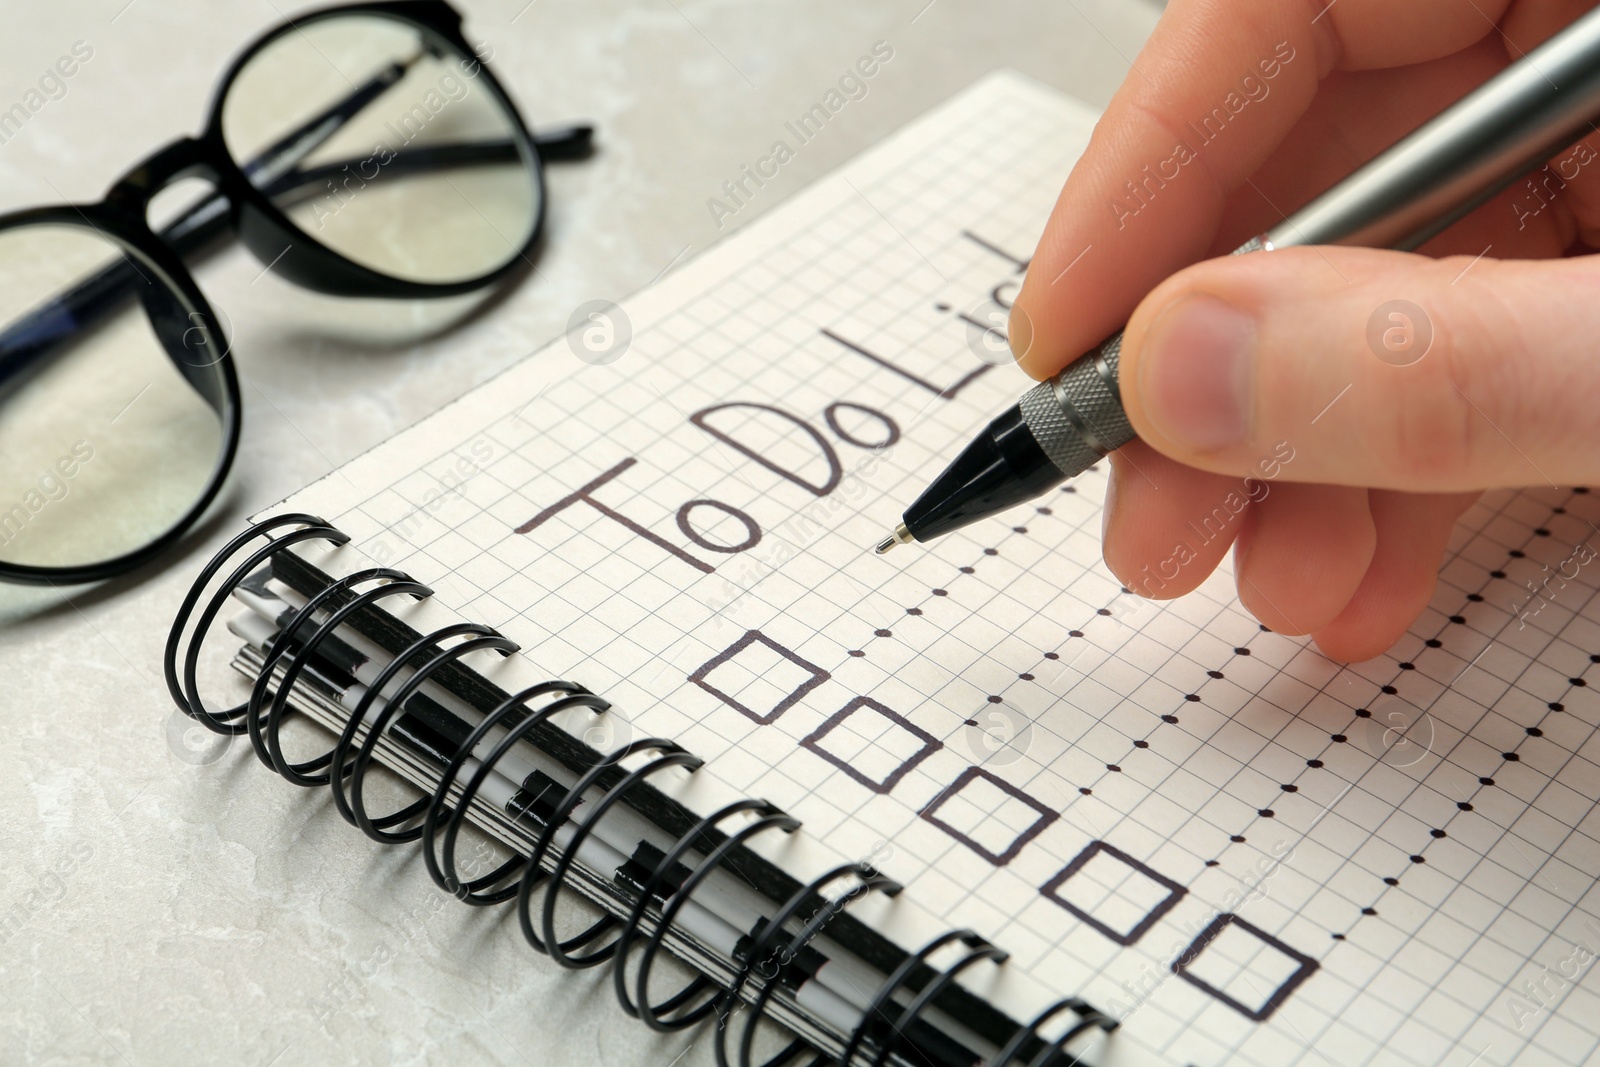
(1231, 362)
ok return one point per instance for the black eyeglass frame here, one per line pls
(122, 217)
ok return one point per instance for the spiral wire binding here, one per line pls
(284, 638)
(1089, 1017)
(271, 747)
(981, 951)
(672, 755)
(777, 820)
(442, 867)
(533, 874)
(825, 910)
(883, 997)
(187, 695)
(354, 807)
(778, 963)
(651, 893)
(761, 965)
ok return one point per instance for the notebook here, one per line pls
(1070, 821)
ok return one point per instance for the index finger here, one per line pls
(1212, 93)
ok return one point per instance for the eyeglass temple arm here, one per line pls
(284, 154)
(207, 221)
(37, 334)
(560, 144)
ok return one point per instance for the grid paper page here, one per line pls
(1248, 853)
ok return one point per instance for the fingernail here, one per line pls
(1019, 331)
(1110, 509)
(1195, 373)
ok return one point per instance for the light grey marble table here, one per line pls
(158, 910)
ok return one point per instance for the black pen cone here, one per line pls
(1002, 467)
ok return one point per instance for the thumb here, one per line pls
(1378, 369)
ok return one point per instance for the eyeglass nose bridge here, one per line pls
(186, 157)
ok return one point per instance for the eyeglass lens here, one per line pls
(110, 399)
(385, 144)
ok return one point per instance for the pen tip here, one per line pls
(900, 536)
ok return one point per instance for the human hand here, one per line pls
(1359, 454)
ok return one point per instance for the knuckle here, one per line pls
(1432, 438)
(1444, 414)
(1446, 424)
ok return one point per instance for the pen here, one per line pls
(1413, 190)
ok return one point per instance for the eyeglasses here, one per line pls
(363, 150)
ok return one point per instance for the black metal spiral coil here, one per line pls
(767, 955)
(442, 867)
(671, 755)
(1089, 1018)
(283, 640)
(769, 966)
(655, 1016)
(186, 695)
(353, 807)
